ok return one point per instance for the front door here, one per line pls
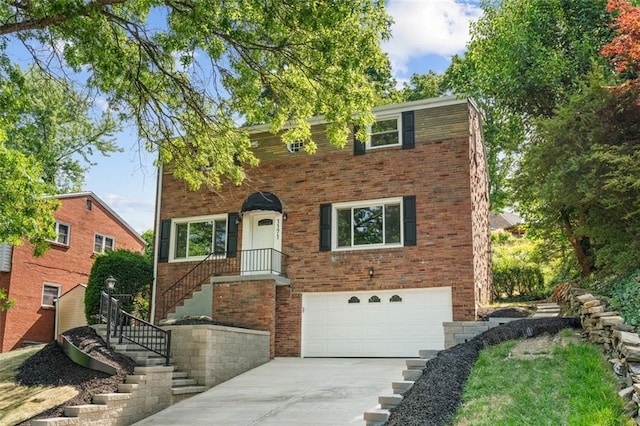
(261, 243)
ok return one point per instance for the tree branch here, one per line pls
(47, 21)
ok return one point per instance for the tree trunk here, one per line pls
(580, 245)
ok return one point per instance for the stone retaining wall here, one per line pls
(212, 354)
(620, 342)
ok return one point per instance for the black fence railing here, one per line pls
(145, 334)
(124, 326)
(246, 262)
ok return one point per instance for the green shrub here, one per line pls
(516, 271)
(522, 281)
(133, 273)
(623, 293)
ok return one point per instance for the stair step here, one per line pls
(411, 375)
(76, 410)
(401, 386)
(180, 375)
(56, 421)
(188, 389)
(379, 416)
(389, 401)
(136, 378)
(183, 382)
(416, 364)
(127, 387)
(428, 353)
(103, 398)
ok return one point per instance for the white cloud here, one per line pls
(423, 27)
(139, 213)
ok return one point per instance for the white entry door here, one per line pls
(261, 239)
(389, 323)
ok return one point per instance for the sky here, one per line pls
(425, 34)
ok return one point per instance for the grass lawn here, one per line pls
(558, 382)
(19, 403)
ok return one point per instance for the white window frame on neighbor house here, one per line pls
(373, 134)
(352, 206)
(50, 296)
(189, 221)
(103, 243)
(67, 235)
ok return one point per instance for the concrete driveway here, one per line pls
(290, 391)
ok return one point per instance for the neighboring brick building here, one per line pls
(85, 226)
(361, 251)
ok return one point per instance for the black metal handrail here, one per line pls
(145, 334)
(246, 262)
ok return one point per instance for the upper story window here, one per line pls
(368, 224)
(103, 243)
(50, 294)
(385, 132)
(196, 238)
(62, 233)
(295, 147)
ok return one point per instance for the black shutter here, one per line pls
(408, 130)
(409, 207)
(359, 148)
(163, 249)
(325, 227)
(232, 234)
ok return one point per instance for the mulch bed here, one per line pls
(51, 367)
(436, 395)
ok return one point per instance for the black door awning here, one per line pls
(262, 201)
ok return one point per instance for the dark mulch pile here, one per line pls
(51, 367)
(511, 312)
(436, 395)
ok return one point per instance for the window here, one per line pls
(50, 293)
(102, 243)
(197, 238)
(62, 233)
(368, 224)
(384, 132)
(88, 204)
(295, 147)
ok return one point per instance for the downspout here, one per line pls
(156, 242)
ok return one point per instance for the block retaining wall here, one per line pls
(456, 332)
(208, 353)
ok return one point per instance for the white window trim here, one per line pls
(365, 203)
(104, 240)
(398, 117)
(58, 286)
(296, 147)
(172, 237)
(56, 228)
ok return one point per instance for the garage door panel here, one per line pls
(332, 327)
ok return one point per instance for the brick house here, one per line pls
(85, 226)
(361, 251)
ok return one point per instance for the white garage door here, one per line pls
(390, 323)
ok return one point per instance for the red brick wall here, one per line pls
(64, 266)
(249, 304)
(437, 172)
(480, 214)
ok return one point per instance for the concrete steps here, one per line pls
(379, 415)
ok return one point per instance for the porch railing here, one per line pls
(246, 262)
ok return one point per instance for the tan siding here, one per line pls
(71, 309)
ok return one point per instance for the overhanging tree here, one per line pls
(185, 71)
(526, 57)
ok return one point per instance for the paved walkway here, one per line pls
(290, 391)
